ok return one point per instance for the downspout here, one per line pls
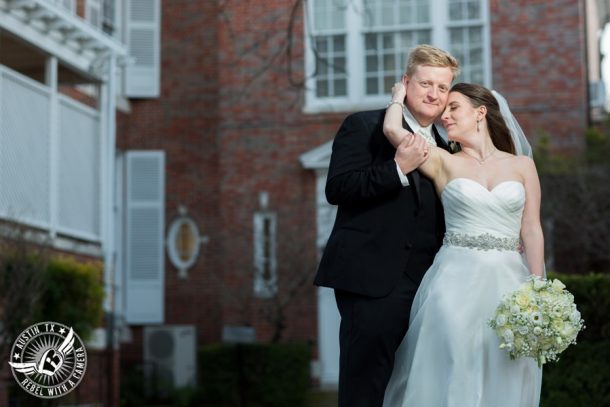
(588, 117)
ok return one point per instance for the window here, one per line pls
(357, 49)
(93, 12)
(265, 265)
(109, 16)
(466, 38)
(329, 44)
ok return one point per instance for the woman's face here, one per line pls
(460, 117)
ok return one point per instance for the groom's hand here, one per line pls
(412, 152)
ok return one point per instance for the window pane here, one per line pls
(322, 67)
(340, 87)
(328, 15)
(371, 86)
(400, 13)
(389, 62)
(406, 37)
(476, 56)
(455, 11)
(425, 37)
(423, 12)
(474, 9)
(321, 45)
(387, 15)
(475, 35)
(339, 64)
(477, 76)
(371, 63)
(457, 36)
(370, 42)
(322, 88)
(339, 43)
(388, 41)
(388, 81)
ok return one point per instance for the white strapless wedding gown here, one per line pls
(450, 356)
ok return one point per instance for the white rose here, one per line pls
(575, 317)
(501, 320)
(539, 284)
(557, 285)
(508, 336)
(523, 299)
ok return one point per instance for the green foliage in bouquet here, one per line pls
(73, 295)
(270, 375)
(582, 375)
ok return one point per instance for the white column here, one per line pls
(108, 152)
(51, 68)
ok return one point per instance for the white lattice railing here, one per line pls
(48, 179)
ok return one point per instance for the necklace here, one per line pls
(481, 161)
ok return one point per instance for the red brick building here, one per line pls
(212, 213)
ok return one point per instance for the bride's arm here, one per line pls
(531, 229)
(408, 145)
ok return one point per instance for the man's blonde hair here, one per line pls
(428, 55)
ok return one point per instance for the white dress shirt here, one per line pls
(425, 132)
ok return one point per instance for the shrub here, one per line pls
(73, 295)
(269, 375)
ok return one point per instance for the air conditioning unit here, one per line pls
(170, 359)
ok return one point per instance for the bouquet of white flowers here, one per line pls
(539, 320)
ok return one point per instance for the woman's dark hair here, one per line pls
(498, 130)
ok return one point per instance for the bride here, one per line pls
(491, 199)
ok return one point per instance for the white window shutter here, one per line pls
(144, 236)
(143, 41)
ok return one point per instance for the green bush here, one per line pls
(73, 295)
(592, 297)
(266, 375)
(582, 375)
(580, 378)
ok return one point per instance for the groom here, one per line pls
(388, 228)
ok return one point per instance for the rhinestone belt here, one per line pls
(481, 242)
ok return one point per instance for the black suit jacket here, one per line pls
(381, 227)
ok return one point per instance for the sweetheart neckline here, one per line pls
(481, 185)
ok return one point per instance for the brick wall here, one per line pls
(183, 122)
(538, 62)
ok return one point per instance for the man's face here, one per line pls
(427, 91)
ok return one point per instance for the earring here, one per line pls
(478, 121)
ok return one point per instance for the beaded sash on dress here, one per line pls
(483, 241)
